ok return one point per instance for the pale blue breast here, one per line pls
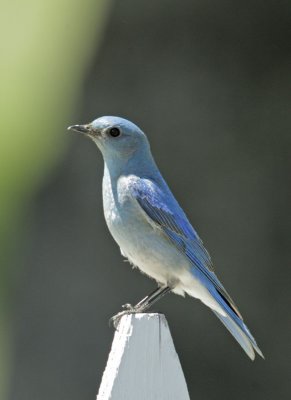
(143, 244)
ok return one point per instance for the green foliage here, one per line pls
(45, 48)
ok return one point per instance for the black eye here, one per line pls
(114, 132)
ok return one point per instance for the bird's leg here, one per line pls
(152, 298)
(142, 305)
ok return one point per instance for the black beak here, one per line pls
(79, 128)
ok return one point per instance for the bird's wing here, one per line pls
(164, 212)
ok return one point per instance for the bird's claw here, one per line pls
(129, 309)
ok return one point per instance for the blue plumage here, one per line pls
(178, 229)
(174, 223)
(151, 228)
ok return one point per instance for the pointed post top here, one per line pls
(143, 363)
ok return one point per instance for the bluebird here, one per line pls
(152, 230)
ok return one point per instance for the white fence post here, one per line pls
(143, 363)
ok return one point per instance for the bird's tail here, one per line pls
(234, 323)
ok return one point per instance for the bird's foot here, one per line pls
(128, 309)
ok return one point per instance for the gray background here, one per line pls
(209, 82)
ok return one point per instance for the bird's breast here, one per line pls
(118, 208)
(143, 243)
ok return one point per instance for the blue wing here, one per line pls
(162, 209)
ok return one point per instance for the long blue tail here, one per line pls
(236, 326)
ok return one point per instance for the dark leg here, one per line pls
(152, 298)
(141, 306)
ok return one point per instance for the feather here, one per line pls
(165, 213)
(163, 210)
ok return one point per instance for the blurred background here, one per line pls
(209, 82)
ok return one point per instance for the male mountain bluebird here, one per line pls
(151, 228)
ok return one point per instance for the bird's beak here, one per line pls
(80, 128)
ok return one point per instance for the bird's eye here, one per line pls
(114, 132)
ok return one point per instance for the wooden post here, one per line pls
(143, 363)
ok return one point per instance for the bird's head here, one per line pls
(115, 136)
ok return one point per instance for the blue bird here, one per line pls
(152, 230)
